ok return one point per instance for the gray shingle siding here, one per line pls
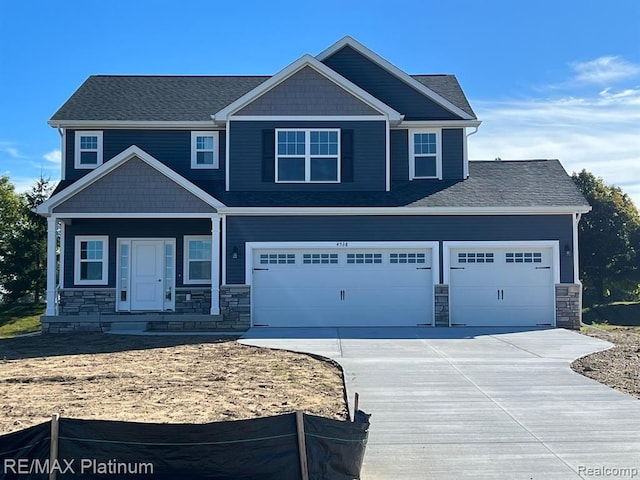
(307, 92)
(245, 168)
(134, 187)
(396, 228)
(389, 88)
(130, 228)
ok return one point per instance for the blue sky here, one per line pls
(549, 79)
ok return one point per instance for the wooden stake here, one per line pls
(302, 445)
(355, 405)
(53, 452)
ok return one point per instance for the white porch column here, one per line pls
(51, 265)
(215, 265)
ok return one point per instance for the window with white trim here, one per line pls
(204, 150)
(88, 149)
(364, 258)
(475, 257)
(91, 260)
(523, 257)
(197, 259)
(320, 258)
(308, 155)
(425, 159)
(277, 258)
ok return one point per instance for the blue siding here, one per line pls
(387, 87)
(395, 228)
(171, 147)
(399, 157)
(452, 153)
(245, 167)
(130, 228)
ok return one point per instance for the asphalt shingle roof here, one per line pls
(187, 98)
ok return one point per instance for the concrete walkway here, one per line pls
(477, 403)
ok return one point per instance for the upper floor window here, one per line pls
(88, 152)
(204, 150)
(308, 155)
(426, 156)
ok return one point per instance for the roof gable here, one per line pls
(304, 62)
(413, 98)
(131, 182)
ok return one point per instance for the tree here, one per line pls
(609, 241)
(23, 250)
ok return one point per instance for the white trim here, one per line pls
(135, 215)
(308, 118)
(52, 223)
(576, 251)
(77, 260)
(78, 134)
(308, 155)
(345, 245)
(194, 149)
(412, 155)
(355, 211)
(465, 155)
(387, 172)
(185, 260)
(223, 234)
(554, 245)
(215, 265)
(304, 61)
(439, 123)
(63, 234)
(227, 148)
(47, 207)
(135, 124)
(63, 152)
(406, 78)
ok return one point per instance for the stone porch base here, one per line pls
(151, 322)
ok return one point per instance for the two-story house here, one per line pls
(337, 192)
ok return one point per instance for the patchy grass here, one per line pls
(20, 318)
(618, 313)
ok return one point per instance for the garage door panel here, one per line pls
(337, 287)
(507, 286)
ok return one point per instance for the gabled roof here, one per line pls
(421, 87)
(292, 69)
(65, 191)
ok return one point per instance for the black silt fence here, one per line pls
(284, 447)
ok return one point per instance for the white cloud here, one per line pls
(604, 70)
(54, 156)
(598, 133)
(13, 152)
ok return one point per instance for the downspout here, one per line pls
(466, 152)
(63, 155)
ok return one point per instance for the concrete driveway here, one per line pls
(477, 403)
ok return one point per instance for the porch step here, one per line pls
(128, 327)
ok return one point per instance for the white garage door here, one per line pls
(501, 286)
(337, 287)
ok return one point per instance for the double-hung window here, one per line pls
(308, 155)
(197, 259)
(88, 151)
(426, 155)
(204, 150)
(91, 260)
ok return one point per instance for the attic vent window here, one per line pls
(88, 149)
(204, 150)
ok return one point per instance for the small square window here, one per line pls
(197, 259)
(204, 150)
(91, 260)
(88, 149)
(425, 159)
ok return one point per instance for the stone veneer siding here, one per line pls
(568, 305)
(235, 304)
(441, 305)
(85, 302)
(199, 303)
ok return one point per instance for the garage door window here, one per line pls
(320, 258)
(407, 258)
(277, 258)
(475, 257)
(364, 258)
(524, 257)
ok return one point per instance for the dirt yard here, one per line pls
(159, 379)
(618, 367)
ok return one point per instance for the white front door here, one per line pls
(147, 268)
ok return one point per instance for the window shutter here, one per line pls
(346, 156)
(268, 156)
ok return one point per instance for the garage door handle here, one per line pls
(342, 295)
(500, 294)
(543, 268)
(423, 268)
(457, 268)
(255, 269)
